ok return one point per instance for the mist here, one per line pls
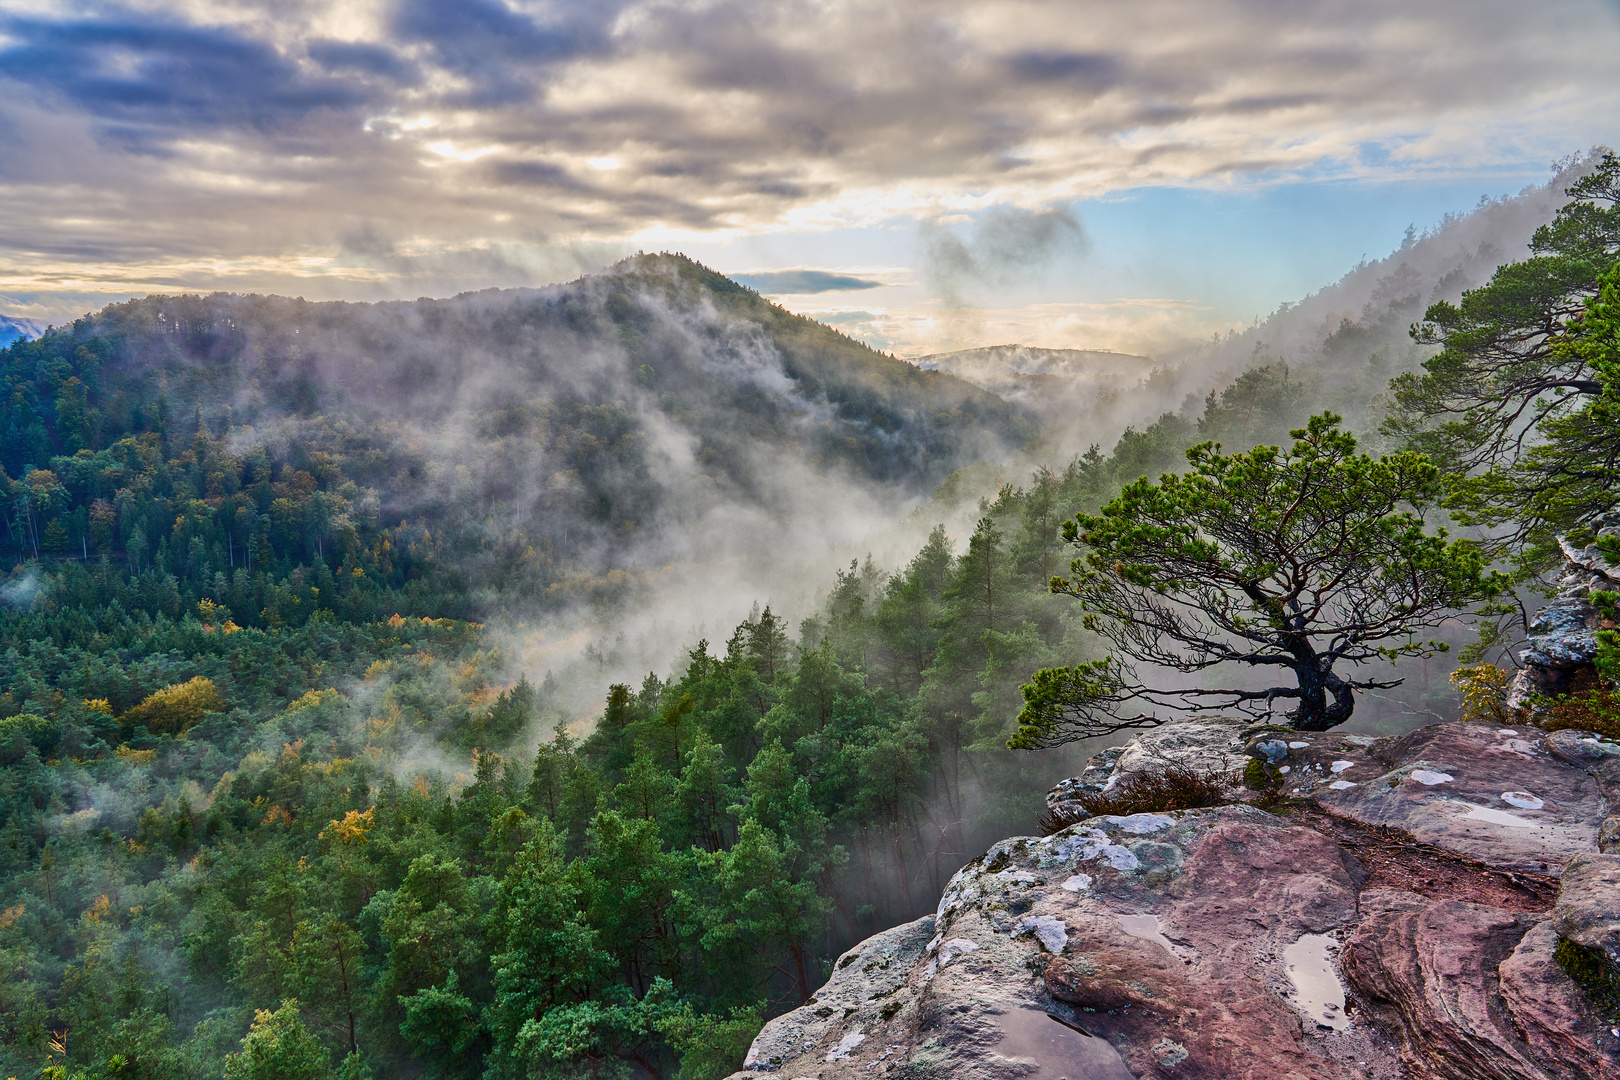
(1331, 335)
(365, 607)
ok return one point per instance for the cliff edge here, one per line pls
(1412, 907)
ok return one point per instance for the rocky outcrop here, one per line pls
(1494, 794)
(1601, 758)
(1432, 968)
(1563, 635)
(1401, 915)
(1203, 745)
(1588, 911)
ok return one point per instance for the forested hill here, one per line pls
(529, 439)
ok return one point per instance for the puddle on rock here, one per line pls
(1317, 991)
(1146, 927)
(1498, 817)
(1059, 1051)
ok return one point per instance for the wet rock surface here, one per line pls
(1236, 942)
(1495, 794)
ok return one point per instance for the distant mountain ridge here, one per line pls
(13, 328)
(1054, 384)
(1029, 360)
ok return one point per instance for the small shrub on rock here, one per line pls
(1148, 793)
(1589, 706)
(1484, 690)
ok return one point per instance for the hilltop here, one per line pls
(541, 435)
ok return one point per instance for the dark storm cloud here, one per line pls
(504, 52)
(139, 78)
(362, 59)
(804, 282)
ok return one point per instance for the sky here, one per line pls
(1125, 175)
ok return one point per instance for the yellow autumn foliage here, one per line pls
(175, 708)
(1484, 690)
(350, 830)
(135, 757)
(311, 699)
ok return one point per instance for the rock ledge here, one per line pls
(1233, 942)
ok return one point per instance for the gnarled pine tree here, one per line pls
(1303, 561)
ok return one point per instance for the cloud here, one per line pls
(804, 282)
(365, 59)
(195, 144)
(501, 53)
(1003, 245)
(13, 329)
(1095, 70)
(145, 82)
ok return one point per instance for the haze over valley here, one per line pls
(538, 534)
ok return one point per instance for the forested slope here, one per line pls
(347, 810)
(525, 442)
(269, 791)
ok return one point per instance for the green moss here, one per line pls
(1259, 775)
(1593, 973)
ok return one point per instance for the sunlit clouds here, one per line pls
(383, 149)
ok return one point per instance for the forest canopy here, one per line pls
(277, 800)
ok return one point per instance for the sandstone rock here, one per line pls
(1200, 745)
(1210, 744)
(1169, 955)
(1552, 1014)
(1097, 775)
(1184, 944)
(1595, 753)
(866, 982)
(1431, 973)
(1562, 635)
(1562, 640)
(1474, 992)
(1472, 789)
(1588, 911)
(1586, 748)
